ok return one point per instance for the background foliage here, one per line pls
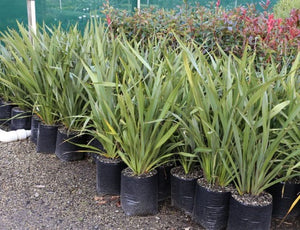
(77, 11)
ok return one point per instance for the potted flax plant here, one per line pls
(5, 92)
(72, 103)
(286, 192)
(37, 77)
(33, 70)
(255, 161)
(14, 57)
(103, 70)
(208, 125)
(145, 97)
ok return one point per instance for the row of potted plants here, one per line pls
(41, 75)
(230, 123)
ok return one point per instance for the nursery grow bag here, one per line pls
(164, 181)
(20, 119)
(182, 192)
(35, 120)
(284, 194)
(108, 175)
(66, 148)
(139, 193)
(46, 138)
(5, 112)
(211, 207)
(248, 217)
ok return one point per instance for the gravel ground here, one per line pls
(38, 191)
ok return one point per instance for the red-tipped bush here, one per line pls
(231, 29)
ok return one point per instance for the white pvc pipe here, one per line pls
(31, 15)
(139, 5)
(15, 135)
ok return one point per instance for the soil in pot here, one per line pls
(211, 205)
(183, 188)
(249, 212)
(108, 175)
(46, 138)
(5, 112)
(284, 194)
(66, 146)
(164, 181)
(139, 194)
(35, 120)
(20, 119)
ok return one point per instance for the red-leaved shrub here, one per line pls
(231, 29)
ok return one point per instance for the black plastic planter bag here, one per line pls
(182, 193)
(20, 119)
(35, 120)
(164, 182)
(108, 176)
(283, 198)
(66, 148)
(247, 217)
(139, 194)
(5, 112)
(211, 207)
(46, 138)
